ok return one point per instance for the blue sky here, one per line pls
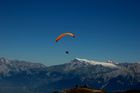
(104, 29)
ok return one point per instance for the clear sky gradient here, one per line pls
(104, 29)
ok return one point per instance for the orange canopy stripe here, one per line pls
(64, 34)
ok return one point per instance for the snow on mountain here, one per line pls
(106, 64)
(7, 66)
(4, 61)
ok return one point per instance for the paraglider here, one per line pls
(63, 35)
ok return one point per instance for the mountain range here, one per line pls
(26, 77)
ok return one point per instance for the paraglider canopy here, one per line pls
(63, 35)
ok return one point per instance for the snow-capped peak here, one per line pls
(106, 64)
